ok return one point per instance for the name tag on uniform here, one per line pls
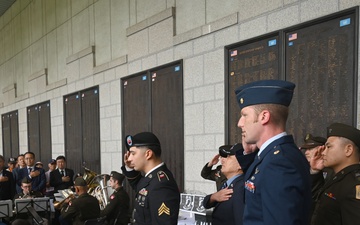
(250, 186)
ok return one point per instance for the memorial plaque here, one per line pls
(250, 61)
(320, 59)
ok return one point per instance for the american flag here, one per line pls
(233, 53)
(292, 36)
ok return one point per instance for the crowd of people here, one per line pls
(24, 178)
(264, 180)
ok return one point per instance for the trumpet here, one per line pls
(68, 194)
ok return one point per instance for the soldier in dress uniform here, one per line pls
(117, 211)
(215, 174)
(157, 194)
(84, 207)
(338, 200)
(27, 191)
(277, 183)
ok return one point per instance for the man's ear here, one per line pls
(149, 154)
(349, 150)
(264, 116)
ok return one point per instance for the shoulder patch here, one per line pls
(357, 192)
(162, 175)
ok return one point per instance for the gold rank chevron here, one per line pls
(163, 209)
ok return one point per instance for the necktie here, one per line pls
(62, 173)
(224, 185)
(29, 170)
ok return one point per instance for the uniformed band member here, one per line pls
(27, 191)
(228, 203)
(277, 184)
(117, 211)
(157, 194)
(215, 174)
(338, 201)
(77, 211)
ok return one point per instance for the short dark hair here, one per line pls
(31, 153)
(61, 157)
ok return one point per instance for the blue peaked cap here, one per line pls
(265, 92)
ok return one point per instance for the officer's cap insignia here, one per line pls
(357, 191)
(276, 152)
(163, 209)
(161, 175)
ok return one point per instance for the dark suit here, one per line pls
(37, 183)
(56, 179)
(15, 173)
(157, 196)
(118, 208)
(7, 188)
(278, 186)
(229, 212)
(338, 201)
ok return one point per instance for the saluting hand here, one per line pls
(316, 160)
(126, 161)
(214, 160)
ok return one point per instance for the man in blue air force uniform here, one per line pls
(277, 184)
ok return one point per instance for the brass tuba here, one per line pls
(97, 186)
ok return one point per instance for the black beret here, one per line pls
(142, 139)
(226, 150)
(312, 142)
(79, 181)
(265, 92)
(346, 131)
(117, 176)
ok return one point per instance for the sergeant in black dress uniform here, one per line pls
(338, 201)
(157, 194)
(80, 209)
(117, 211)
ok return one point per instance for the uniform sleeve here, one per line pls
(164, 204)
(284, 194)
(113, 204)
(69, 211)
(350, 206)
(238, 203)
(133, 177)
(208, 173)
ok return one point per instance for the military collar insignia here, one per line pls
(276, 152)
(162, 175)
(163, 209)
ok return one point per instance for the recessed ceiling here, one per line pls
(5, 5)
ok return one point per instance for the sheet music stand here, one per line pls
(35, 216)
(21, 204)
(6, 207)
(41, 204)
